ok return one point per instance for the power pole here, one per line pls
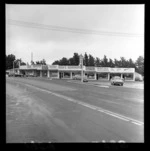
(31, 58)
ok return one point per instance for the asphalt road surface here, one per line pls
(42, 110)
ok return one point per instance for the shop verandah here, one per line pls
(68, 72)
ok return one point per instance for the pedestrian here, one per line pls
(123, 77)
(110, 78)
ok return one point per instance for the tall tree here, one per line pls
(42, 62)
(56, 62)
(97, 62)
(91, 61)
(140, 65)
(86, 60)
(76, 59)
(9, 61)
(123, 62)
(110, 63)
(71, 61)
(116, 63)
(104, 62)
(64, 61)
(131, 63)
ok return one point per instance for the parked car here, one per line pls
(11, 74)
(30, 75)
(78, 77)
(116, 80)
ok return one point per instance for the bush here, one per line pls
(138, 79)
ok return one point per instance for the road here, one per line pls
(43, 110)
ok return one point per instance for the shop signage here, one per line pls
(54, 74)
(44, 67)
(122, 70)
(90, 68)
(52, 67)
(102, 69)
(74, 67)
(62, 67)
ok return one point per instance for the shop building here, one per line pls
(68, 72)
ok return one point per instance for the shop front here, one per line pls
(90, 73)
(102, 76)
(125, 73)
(54, 74)
(128, 76)
(102, 73)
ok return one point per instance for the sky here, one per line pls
(112, 30)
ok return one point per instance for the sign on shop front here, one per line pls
(73, 67)
(102, 69)
(52, 66)
(90, 68)
(122, 70)
(62, 67)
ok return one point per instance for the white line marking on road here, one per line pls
(137, 123)
(90, 106)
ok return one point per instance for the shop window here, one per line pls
(128, 76)
(76, 73)
(115, 74)
(44, 73)
(66, 75)
(90, 75)
(54, 74)
(103, 75)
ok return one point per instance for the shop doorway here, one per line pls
(60, 75)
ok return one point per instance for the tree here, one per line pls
(64, 61)
(42, 62)
(123, 62)
(91, 60)
(116, 63)
(131, 63)
(71, 61)
(104, 62)
(56, 62)
(110, 63)
(140, 65)
(85, 60)
(76, 59)
(37, 62)
(9, 61)
(97, 62)
(23, 63)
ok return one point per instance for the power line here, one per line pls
(67, 29)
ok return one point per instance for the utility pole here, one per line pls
(31, 58)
